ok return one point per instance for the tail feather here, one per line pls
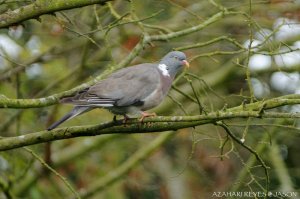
(73, 113)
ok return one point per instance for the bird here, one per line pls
(129, 91)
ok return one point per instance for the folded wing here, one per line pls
(126, 87)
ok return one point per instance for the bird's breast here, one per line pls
(153, 100)
(157, 96)
(166, 83)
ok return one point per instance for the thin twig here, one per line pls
(201, 108)
(265, 167)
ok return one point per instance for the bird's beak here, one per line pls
(186, 63)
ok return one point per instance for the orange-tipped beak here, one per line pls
(186, 63)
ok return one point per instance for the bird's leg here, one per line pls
(145, 114)
(115, 118)
(126, 118)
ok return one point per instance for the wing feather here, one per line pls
(128, 86)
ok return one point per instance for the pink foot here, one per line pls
(145, 114)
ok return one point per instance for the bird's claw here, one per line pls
(145, 114)
(126, 118)
(115, 119)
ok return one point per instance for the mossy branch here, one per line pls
(41, 7)
(270, 103)
(157, 124)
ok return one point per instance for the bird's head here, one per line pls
(172, 62)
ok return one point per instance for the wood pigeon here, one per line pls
(131, 90)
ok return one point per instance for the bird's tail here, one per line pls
(73, 113)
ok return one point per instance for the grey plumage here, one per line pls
(130, 90)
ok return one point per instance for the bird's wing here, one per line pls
(128, 86)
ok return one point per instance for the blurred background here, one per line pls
(55, 53)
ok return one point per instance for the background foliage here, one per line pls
(246, 51)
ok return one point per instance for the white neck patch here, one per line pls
(163, 69)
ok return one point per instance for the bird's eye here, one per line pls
(176, 57)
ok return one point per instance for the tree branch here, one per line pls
(41, 7)
(157, 124)
(270, 103)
